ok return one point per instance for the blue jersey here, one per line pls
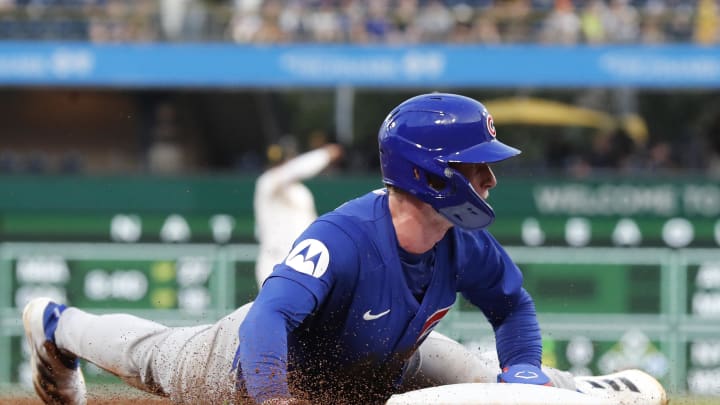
(337, 316)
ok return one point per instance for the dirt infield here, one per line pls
(97, 395)
(91, 401)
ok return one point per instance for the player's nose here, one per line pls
(487, 177)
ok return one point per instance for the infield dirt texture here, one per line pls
(115, 394)
(121, 395)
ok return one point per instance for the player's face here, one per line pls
(480, 175)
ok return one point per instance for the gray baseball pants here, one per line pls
(193, 364)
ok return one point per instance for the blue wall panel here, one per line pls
(228, 65)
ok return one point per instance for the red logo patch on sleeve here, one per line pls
(431, 322)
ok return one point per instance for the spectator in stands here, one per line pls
(514, 19)
(290, 20)
(122, 21)
(651, 28)
(707, 22)
(660, 157)
(591, 22)
(404, 15)
(434, 21)
(324, 24)
(245, 24)
(621, 22)
(166, 155)
(259, 25)
(463, 27)
(610, 150)
(377, 23)
(680, 25)
(562, 25)
(485, 28)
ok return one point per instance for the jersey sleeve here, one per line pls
(492, 281)
(261, 356)
(302, 167)
(321, 257)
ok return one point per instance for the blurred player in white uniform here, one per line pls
(283, 205)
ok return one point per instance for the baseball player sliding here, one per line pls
(347, 317)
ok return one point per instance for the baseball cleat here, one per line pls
(56, 374)
(628, 387)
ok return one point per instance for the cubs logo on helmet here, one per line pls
(491, 125)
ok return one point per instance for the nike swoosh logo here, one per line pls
(371, 317)
(526, 375)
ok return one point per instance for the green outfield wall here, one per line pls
(680, 212)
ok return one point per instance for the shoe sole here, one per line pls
(632, 375)
(42, 376)
(633, 382)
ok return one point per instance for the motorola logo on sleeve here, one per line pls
(309, 256)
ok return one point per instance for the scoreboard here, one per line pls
(172, 284)
(623, 275)
(600, 308)
(177, 281)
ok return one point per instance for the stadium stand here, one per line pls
(354, 21)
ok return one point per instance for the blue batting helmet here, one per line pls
(419, 139)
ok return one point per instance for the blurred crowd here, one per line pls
(615, 152)
(364, 21)
(562, 22)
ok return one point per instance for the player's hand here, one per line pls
(336, 151)
(524, 374)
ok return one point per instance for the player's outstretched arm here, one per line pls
(263, 353)
(304, 166)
